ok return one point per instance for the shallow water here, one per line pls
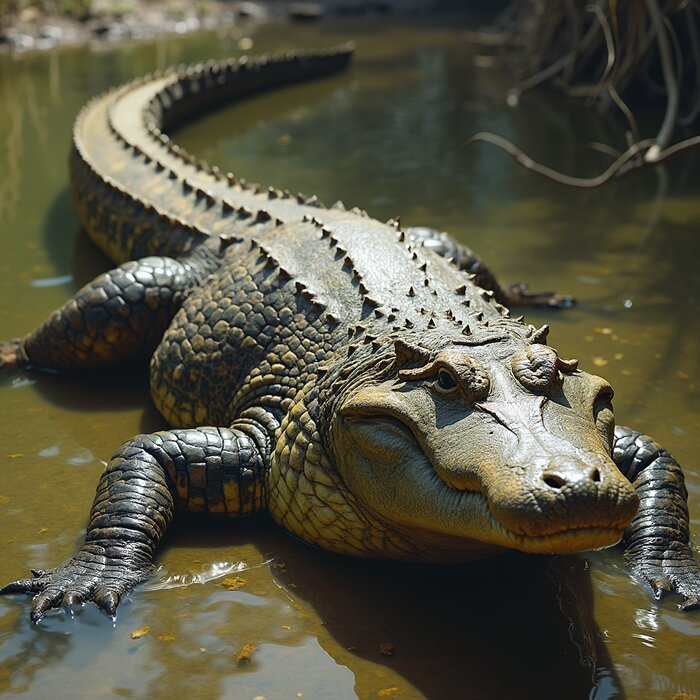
(387, 136)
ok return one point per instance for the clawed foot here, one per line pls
(518, 295)
(682, 578)
(85, 577)
(13, 355)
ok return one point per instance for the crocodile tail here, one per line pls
(136, 192)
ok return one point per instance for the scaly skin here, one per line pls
(362, 384)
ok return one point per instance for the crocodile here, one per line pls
(363, 384)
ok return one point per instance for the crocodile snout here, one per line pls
(565, 494)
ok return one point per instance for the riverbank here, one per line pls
(42, 25)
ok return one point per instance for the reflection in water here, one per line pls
(210, 572)
(11, 118)
(388, 136)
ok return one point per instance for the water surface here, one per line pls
(388, 136)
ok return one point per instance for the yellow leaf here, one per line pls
(233, 584)
(245, 655)
(137, 634)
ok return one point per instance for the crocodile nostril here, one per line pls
(556, 477)
(554, 481)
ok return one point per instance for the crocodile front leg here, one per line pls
(465, 259)
(117, 318)
(657, 543)
(215, 470)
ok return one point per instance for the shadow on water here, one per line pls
(515, 626)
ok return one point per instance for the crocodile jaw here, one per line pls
(387, 468)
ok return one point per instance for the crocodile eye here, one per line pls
(445, 381)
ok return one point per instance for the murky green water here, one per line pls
(387, 136)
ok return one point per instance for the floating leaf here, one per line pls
(137, 634)
(233, 583)
(245, 655)
(386, 648)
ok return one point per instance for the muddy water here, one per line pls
(387, 136)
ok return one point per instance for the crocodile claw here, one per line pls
(81, 579)
(13, 355)
(674, 576)
(518, 294)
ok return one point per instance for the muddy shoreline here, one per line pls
(39, 27)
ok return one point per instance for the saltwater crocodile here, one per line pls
(344, 375)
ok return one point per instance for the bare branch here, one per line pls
(669, 122)
(625, 163)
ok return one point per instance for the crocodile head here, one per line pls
(470, 446)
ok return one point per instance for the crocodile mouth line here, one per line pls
(564, 540)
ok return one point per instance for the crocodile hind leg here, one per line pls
(214, 470)
(507, 294)
(117, 318)
(657, 543)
